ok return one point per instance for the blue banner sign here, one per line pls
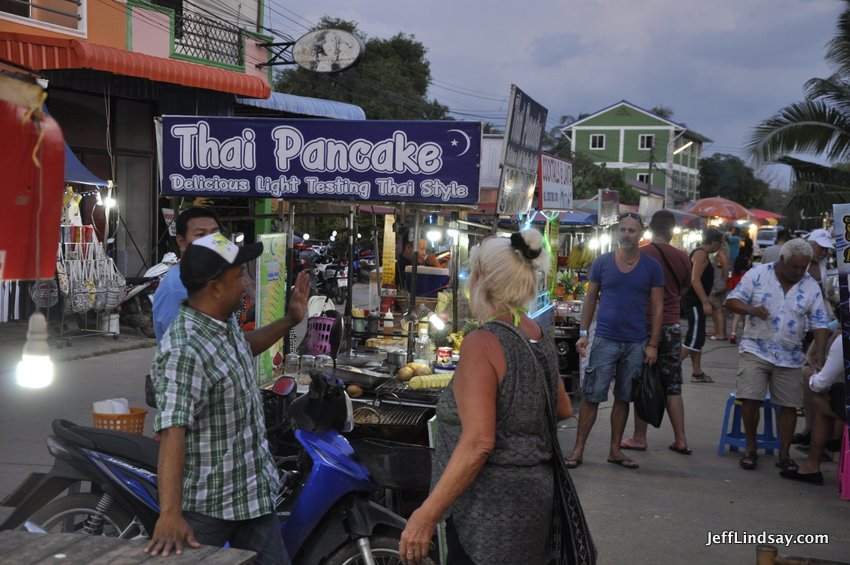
(433, 162)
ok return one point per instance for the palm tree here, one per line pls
(819, 125)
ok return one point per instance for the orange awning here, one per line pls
(47, 53)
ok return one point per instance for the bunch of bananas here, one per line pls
(580, 257)
(456, 339)
(358, 313)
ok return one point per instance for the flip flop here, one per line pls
(625, 462)
(682, 450)
(749, 460)
(788, 465)
(624, 445)
(572, 463)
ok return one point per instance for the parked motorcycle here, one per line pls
(136, 310)
(324, 506)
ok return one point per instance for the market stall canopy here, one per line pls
(576, 218)
(717, 206)
(282, 103)
(765, 214)
(76, 172)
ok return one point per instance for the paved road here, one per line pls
(661, 513)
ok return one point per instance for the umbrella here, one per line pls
(717, 206)
(765, 214)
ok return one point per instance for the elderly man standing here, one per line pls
(623, 282)
(780, 300)
(217, 477)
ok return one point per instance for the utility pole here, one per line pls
(650, 140)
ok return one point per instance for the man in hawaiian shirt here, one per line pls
(780, 301)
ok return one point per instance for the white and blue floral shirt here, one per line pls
(779, 339)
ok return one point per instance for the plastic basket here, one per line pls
(133, 423)
(319, 335)
(395, 465)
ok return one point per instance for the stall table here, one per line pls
(22, 547)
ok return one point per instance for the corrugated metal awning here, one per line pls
(302, 105)
(47, 53)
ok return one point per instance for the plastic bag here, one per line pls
(649, 395)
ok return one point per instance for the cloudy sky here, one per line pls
(720, 65)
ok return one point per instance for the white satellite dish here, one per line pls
(327, 50)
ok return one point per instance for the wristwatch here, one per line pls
(582, 333)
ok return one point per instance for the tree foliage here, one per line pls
(729, 177)
(390, 82)
(819, 126)
(589, 177)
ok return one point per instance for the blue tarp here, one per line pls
(316, 107)
(76, 172)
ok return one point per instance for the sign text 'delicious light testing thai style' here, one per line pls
(411, 161)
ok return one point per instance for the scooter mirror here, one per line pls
(284, 386)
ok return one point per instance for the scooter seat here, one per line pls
(136, 448)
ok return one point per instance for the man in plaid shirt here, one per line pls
(217, 478)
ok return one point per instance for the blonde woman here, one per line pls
(493, 473)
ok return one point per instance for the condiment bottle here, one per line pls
(389, 323)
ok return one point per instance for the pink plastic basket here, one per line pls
(319, 335)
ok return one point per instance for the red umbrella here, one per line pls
(717, 206)
(765, 214)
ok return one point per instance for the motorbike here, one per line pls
(136, 309)
(324, 504)
(335, 280)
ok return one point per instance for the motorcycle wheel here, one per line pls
(340, 295)
(70, 513)
(384, 552)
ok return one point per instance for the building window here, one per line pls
(643, 177)
(63, 13)
(597, 141)
(646, 141)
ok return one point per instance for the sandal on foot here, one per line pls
(682, 450)
(701, 378)
(572, 463)
(811, 478)
(625, 462)
(787, 465)
(749, 460)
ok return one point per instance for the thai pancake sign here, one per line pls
(435, 162)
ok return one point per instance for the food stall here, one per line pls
(420, 164)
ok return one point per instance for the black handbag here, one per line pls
(649, 395)
(572, 542)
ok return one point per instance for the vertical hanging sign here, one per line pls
(520, 153)
(271, 301)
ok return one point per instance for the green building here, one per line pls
(656, 155)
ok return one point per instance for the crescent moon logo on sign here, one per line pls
(468, 141)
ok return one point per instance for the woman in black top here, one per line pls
(696, 304)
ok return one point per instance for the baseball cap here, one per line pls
(822, 238)
(207, 257)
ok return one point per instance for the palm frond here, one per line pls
(810, 126)
(838, 48)
(834, 91)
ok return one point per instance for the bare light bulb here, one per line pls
(35, 370)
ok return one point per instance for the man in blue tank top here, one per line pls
(622, 282)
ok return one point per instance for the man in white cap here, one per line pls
(821, 242)
(217, 477)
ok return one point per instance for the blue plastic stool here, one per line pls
(735, 437)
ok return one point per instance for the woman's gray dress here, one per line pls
(504, 515)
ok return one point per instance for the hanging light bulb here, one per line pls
(437, 322)
(35, 370)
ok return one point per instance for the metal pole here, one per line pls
(289, 230)
(411, 308)
(455, 272)
(346, 319)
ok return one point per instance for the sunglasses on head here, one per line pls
(633, 215)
